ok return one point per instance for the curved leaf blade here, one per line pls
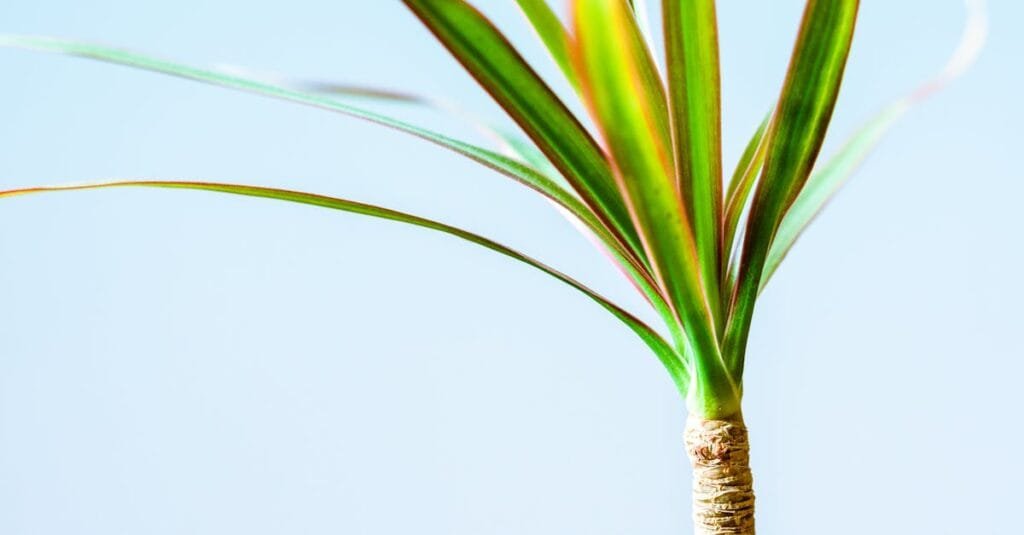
(507, 166)
(488, 56)
(827, 181)
(502, 164)
(511, 143)
(552, 33)
(670, 359)
(740, 186)
(795, 137)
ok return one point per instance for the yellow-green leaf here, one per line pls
(626, 98)
(691, 47)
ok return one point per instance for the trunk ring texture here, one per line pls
(723, 492)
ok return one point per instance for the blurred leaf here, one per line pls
(625, 95)
(642, 13)
(670, 359)
(512, 143)
(795, 136)
(499, 68)
(825, 182)
(691, 47)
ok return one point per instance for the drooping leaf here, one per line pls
(795, 136)
(691, 46)
(499, 68)
(551, 31)
(826, 181)
(528, 153)
(670, 359)
(513, 143)
(626, 98)
(511, 168)
(516, 146)
(504, 165)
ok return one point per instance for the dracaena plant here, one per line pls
(646, 184)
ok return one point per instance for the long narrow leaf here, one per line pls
(825, 182)
(669, 358)
(512, 143)
(554, 35)
(528, 153)
(642, 12)
(627, 100)
(513, 169)
(517, 147)
(691, 46)
(748, 154)
(499, 68)
(504, 165)
(795, 136)
(738, 193)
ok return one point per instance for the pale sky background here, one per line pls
(182, 362)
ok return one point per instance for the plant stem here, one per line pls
(723, 493)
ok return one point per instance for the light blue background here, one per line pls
(181, 362)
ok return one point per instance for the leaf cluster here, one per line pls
(647, 184)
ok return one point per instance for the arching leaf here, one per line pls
(504, 165)
(507, 166)
(669, 358)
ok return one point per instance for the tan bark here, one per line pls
(723, 493)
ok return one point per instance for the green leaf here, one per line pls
(551, 31)
(737, 195)
(825, 182)
(625, 96)
(794, 138)
(642, 12)
(499, 68)
(504, 165)
(513, 143)
(669, 358)
(531, 156)
(691, 47)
